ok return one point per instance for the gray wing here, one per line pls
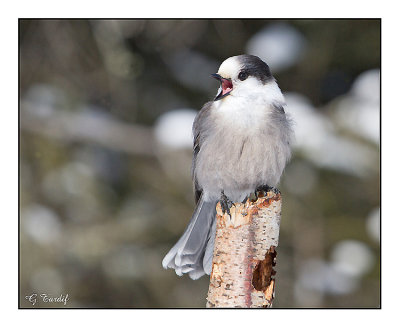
(193, 252)
(198, 128)
(283, 121)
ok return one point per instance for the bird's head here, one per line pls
(240, 75)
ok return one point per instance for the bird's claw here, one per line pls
(226, 204)
(266, 188)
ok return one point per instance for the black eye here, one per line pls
(243, 76)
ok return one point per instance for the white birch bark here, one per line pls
(244, 254)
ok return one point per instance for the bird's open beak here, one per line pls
(226, 86)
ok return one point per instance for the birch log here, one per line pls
(244, 253)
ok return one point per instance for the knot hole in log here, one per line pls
(264, 271)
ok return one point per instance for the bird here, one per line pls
(241, 143)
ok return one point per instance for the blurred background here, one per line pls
(106, 108)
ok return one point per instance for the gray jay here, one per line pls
(241, 144)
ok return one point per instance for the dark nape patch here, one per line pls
(254, 66)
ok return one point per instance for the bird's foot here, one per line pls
(266, 188)
(226, 203)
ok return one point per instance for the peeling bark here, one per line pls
(244, 253)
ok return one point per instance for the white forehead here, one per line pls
(230, 67)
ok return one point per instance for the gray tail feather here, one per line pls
(193, 252)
